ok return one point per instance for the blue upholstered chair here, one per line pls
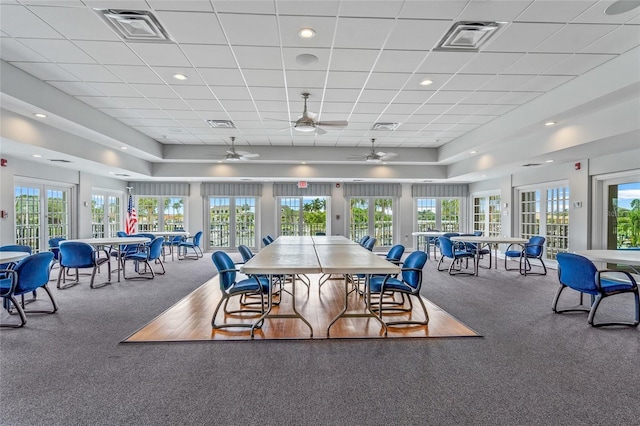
(534, 249)
(472, 247)
(146, 254)
(409, 283)
(54, 247)
(78, 255)
(193, 244)
(580, 274)
(394, 255)
(27, 276)
(370, 243)
(171, 243)
(13, 247)
(266, 241)
(449, 250)
(363, 240)
(229, 287)
(436, 242)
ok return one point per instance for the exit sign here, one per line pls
(302, 184)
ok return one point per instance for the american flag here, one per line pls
(132, 217)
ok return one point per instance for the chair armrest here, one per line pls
(615, 272)
(13, 278)
(229, 270)
(515, 244)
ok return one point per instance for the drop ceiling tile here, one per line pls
(398, 60)
(449, 96)
(171, 104)
(595, 14)
(617, 41)
(554, 11)
(109, 52)
(342, 95)
(183, 115)
(353, 59)
(521, 37)
(463, 127)
(437, 127)
(545, 83)
(290, 59)
(507, 82)
(222, 76)
(430, 109)
(263, 57)
(204, 105)
(77, 88)
(155, 90)
(362, 33)
(91, 73)
(479, 119)
(573, 37)
(372, 95)
(163, 122)
(480, 97)
(193, 92)
(45, 71)
(190, 5)
(115, 89)
(398, 108)
(135, 74)
(346, 80)
(445, 62)
(466, 109)
(493, 10)
(60, 51)
(413, 34)
(497, 109)
(519, 98)
(261, 78)
(232, 92)
(536, 63)
(311, 79)
(160, 54)
(100, 101)
(75, 23)
(192, 27)
(323, 26)
(369, 8)
(132, 121)
(421, 119)
(121, 113)
(195, 123)
(167, 75)
(18, 21)
(135, 103)
(490, 62)
(209, 55)
(13, 50)
(467, 81)
(579, 64)
(236, 105)
(414, 96)
(255, 6)
(387, 80)
(449, 119)
(269, 94)
(264, 29)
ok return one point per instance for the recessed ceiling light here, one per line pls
(550, 123)
(123, 148)
(307, 33)
(180, 77)
(473, 152)
(426, 82)
(40, 115)
(37, 155)
(483, 175)
(549, 161)
(303, 162)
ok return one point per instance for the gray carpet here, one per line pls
(531, 366)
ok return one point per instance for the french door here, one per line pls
(374, 217)
(303, 216)
(232, 222)
(41, 212)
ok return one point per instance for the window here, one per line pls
(41, 213)
(160, 214)
(105, 214)
(372, 216)
(548, 218)
(232, 222)
(303, 215)
(486, 215)
(442, 214)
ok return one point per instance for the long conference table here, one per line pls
(630, 258)
(312, 255)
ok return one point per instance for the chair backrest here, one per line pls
(577, 272)
(54, 246)
(245, 252)
(270, 238)
(416, 260)
(265, 241)
(370, 243)
(446, 246)
(33, 272)
(145, 235)
(477, 233)
(535, 246)
(395, 253)
(363, 240)
(222, 261)
(197, 238)
(121, 234)
(177, 239)
(76, 254)
(16, 247)
(320, 233)
(155, 248)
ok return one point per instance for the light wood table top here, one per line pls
(108, 241)
(283, 259)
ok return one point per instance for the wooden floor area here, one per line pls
(190, 318)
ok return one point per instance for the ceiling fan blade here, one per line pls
(387, 156)
(278, 119)
(333, 123)
(320, 131)
(248, 154)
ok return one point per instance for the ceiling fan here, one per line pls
(233, 155)
(375, 157)
(308, 123)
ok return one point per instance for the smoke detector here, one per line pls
(468, 36)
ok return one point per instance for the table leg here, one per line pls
(344, 309)
(269, 306)
(293, 305)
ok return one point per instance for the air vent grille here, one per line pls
(135, 25)
(468, 36)
(531, 164)
(60, 161)
(385, 126)
(221, 124)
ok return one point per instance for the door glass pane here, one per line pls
(219, 209)
(147, 214)
(557, 233)
(450, 220)
(495, 219)
(27, 210)
(290, 216)
(359, 226)
(383, 221)
(97, 216)
(426, 213)
(245, 221)
(624, 216)
(173, 213)
(530, 213)
(314, 216)
(479, 213)
(114, 215)
(57, 213)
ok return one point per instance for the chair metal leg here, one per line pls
(23, 317)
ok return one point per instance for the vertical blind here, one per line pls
(160, 188)
(372, 190)
(231, 189)
(312, 190)
(444, 190)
